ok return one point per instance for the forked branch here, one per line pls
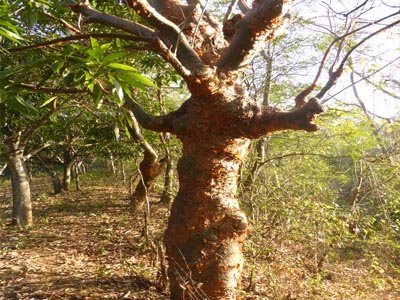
(172, 35)
(259, 24)
(185, 61)
(334, 75)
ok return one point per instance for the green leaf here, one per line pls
(48, 101)
(20, 104)
(57, 65)
(123, 67)
(119, 91)
(10, 35)
(136, 80)
(113, 56)
(97, 94)
(142, 79)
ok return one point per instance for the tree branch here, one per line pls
(335, 74)
(95, 16)
(267, 119)
(34, 88)
(3, 168)
(302, 154)
(62, 21)
(172, 35)
(25, 136)
(186, 61)
(38, 149)
(77, 38)
(259, 24)
(150, 122)
(136, 134)
(361, 79)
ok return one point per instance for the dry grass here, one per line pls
(84, 245)
(89, 245)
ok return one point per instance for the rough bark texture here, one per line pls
(149, 170)
(206, 228)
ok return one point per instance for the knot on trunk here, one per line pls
(234, 224)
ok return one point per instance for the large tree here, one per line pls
(206, 228)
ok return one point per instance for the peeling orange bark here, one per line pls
(206, 228)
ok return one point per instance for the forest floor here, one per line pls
(83, 245)
(88, 245)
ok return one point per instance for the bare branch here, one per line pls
(172, 36)
(361, 79)
(382, 89)
(137, 135)
(259, 24)
(230, 9)
(76, 38)
(34, 88)
(244, 8)
(150, 122)
(3, 168)
(336, 74)
(302, 154)
(213, 22)
(95, 16)
(62, 21)
(267, 119)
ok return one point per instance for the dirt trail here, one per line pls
(84, 245)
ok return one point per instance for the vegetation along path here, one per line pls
(89, 245)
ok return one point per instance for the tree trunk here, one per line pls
(21, 193)
(166, 196)
(112, 163)
(123, 172)
(149, 169)
(76, 176)
(206, 228)
(49, 164)
(2, 169)
(66, 184)
(55, 181)
(257, 164)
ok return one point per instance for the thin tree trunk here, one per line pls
(55, 181)
(123, 172)
(67, 177)
(76, 176)
(255, 170)
(166, 196)
(51, 168)
(206, 228)
(149, 169)
(112, 164)
(2, 169)
(262, 142)
(21, 193)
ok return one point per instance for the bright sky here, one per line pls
(376, 53)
